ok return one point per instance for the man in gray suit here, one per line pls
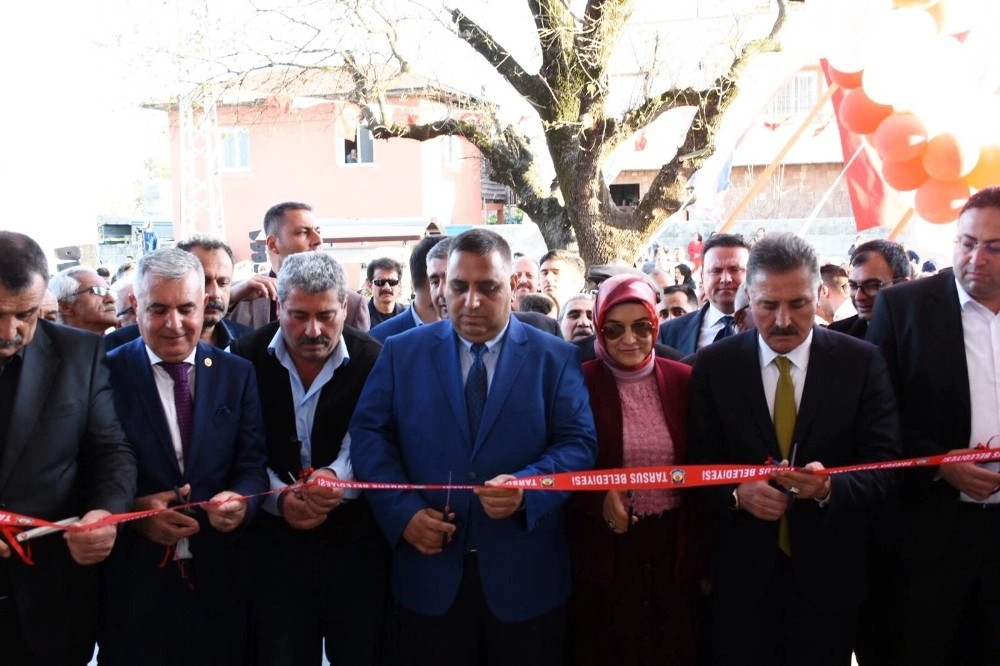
(62, 454)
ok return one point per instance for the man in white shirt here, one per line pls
(789, 554)
(941, 338)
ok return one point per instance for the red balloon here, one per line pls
(861, 115)
(905, 176)
(949, 157)
(846, 80)
(987, 170)
(901, 137)
(940, 201)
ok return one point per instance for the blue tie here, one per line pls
(727, 328)
(475, 389)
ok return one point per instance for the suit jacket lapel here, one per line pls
(206, 385)
(693, 333)
(143, 385)
(942, 308)
(449, 371)
(821, 363)
(512, 356)
(756, 401)
(38, 369)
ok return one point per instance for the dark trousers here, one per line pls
(469, 634)
(949, 608)
(184, 626)
(330, 583)
(779, 630)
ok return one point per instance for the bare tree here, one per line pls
(569, 92)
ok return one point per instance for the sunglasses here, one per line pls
(99, 291)
(640, 329)
(381, 282)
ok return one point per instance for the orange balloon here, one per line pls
(901, 137)
(987, 170)
(913, 4)
(846, 80)
(949, 157)
(905, 176)
(861, 115)
(940, 201)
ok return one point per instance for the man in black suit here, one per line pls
(789, 555)
(320, 563)
(722, 275)
(62, 454)
(875, 266)
(941, 339)
(216, 259)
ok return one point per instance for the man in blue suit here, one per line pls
(722, 275)
(173, 590)
(480, 399)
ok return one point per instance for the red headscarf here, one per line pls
(625, 288)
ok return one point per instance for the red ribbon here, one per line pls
(628, 478)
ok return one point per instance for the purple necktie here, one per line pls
(183, 402)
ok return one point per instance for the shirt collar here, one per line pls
(416, 318)
(798, 356)
(154, 359)
(277, 348)
(490, 344)
(714, 315)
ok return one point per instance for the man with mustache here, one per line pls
(523, 279)
(321, 544)
(790, 554)
(384, 283)
(63, 453)
(722, 275)
(577, 318)
(85, 299)
(216, 259)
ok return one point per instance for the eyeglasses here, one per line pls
(870, 287)
(640, 329)
(968, 245)
(126, 311)
(99, 291)
(381, 282)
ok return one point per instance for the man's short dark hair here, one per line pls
(206, 243)
(418, 260)
(833, 276)
(988, 197)
(385, 264)
(571, 258)
(540, 303)
(20, 258)
(893, 253)
(481, 242)
(692, 297)
(275, 215)
(104, 272)
(123, 268)
(723, 240)
(780, 253)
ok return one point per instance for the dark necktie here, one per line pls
(183, 402)
(475, 389)
(727, 328)
(784, 429)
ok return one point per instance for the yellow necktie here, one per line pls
(784, 429)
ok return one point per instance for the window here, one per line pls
(360, 149)
(798, 96)
(235, 148)
(626, 194)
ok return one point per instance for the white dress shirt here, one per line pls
(165, 388)
(711, 324)
(981, 331)
(769, 372)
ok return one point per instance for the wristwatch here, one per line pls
(736, 499)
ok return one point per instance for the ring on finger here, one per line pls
(611, 523)
(794, 490)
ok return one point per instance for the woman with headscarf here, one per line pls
(634, 565)
(682, 275)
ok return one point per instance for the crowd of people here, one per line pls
(243, 396)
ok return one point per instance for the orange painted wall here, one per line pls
(298, 156)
